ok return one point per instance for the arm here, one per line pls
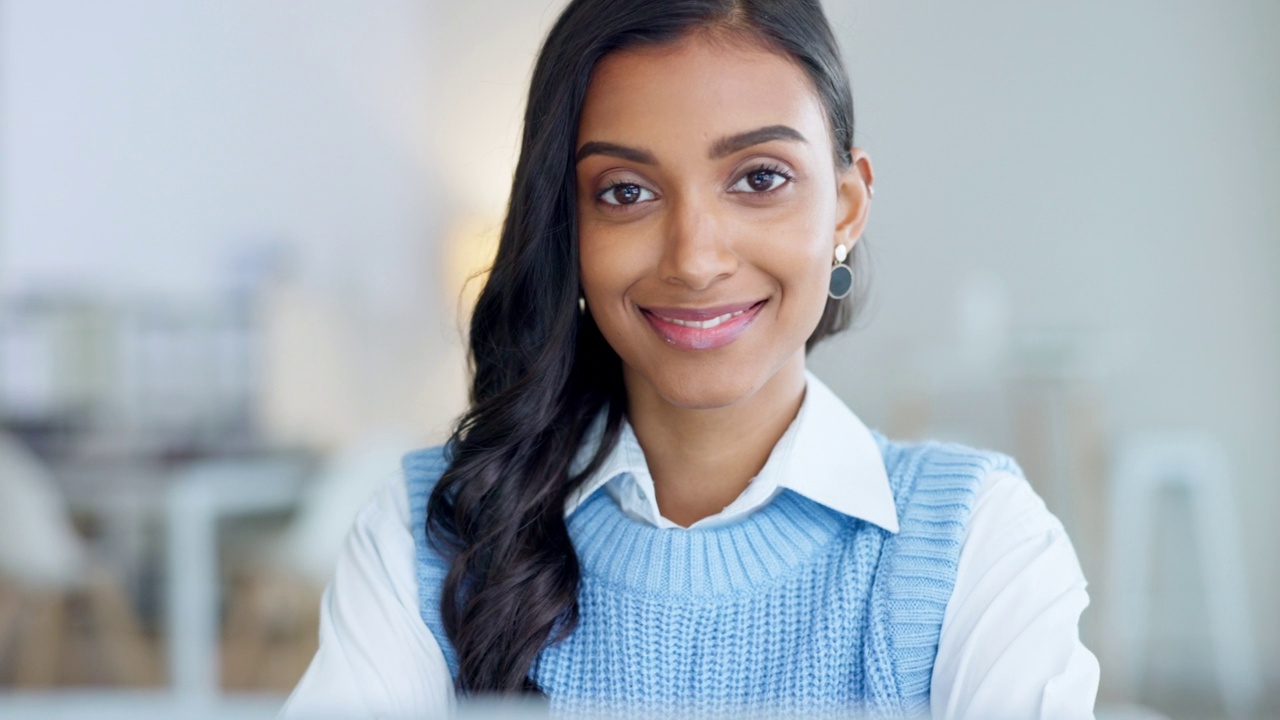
(376, 656)
(1010, 644)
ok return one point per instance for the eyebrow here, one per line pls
(644, 157)
(722, 147)
(742, 141)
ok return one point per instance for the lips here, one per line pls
(702, 328)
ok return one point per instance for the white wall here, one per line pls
(147, 144)
(146, 140)
(1115, 164)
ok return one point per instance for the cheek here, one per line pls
(809, 291)
(804, 269)
(798, 253)
(611, 261)
(606, 265)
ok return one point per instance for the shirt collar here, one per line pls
(827, 454)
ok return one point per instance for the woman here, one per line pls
(650, 506)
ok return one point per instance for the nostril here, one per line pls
(698, 262)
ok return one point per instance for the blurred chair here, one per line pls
(1146, 467)
(270, 632)
(45, 572)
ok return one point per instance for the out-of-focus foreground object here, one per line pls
(45, 571)
(1195, 466)
(270, 631)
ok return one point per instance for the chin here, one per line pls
(706, 387)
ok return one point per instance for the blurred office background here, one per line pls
(234, 245)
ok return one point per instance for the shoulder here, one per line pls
(986, 490)
(383, 526)
(904, 460)
(1010, 641)
(396, 514)
(422, 468)
(976, 500)
(376, 656)
(933, 480)
(991, 485)
(1006, 500)
(950, 499)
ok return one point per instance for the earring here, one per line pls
(841, 275)
(582, 305)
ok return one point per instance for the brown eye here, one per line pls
(625, 194)
(761, 180)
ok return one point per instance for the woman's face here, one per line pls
(709, 207)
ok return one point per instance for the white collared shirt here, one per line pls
(826, 454)
(1009, 647)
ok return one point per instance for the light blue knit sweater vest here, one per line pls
(795, 609)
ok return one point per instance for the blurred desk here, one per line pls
(199, 496)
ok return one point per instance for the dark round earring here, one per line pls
(841, 276)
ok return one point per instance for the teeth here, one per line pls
(703, 324)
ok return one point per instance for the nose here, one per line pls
(698, 251)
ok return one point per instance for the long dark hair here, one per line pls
(543, 371)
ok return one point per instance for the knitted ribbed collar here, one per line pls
(771, 546)
(827, 455)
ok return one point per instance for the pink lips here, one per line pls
(702, 328)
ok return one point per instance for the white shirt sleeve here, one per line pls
(1010, 644)
(377, 658)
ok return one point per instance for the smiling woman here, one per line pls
(651, 507)
(705, 246)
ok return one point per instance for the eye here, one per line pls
(761, 179)
(624, 193)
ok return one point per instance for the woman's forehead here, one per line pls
(698, 89)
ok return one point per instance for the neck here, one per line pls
(701, 459)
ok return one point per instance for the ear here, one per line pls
(853, 199)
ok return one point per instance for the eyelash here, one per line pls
(771, 169)
(614, 186)
(768, 168)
